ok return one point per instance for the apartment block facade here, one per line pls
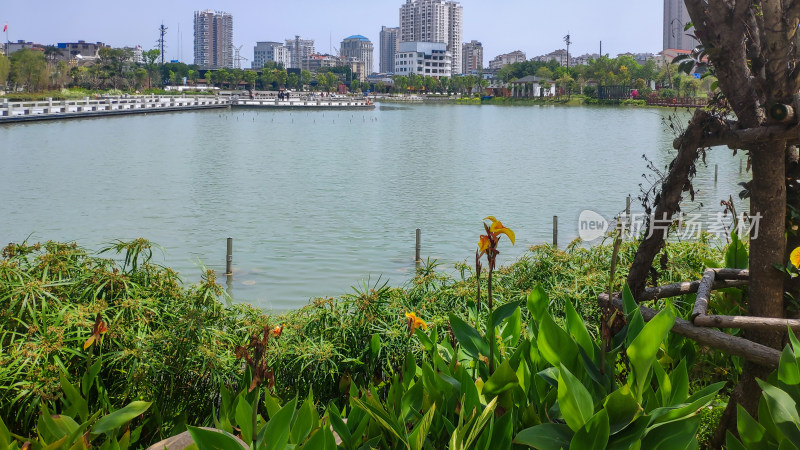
(358, 48)
(270, 51)
(390, 38)
(213, 39)
(434, 21)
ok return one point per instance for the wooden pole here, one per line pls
(747, 323)
(703, 294)
(740, 167)
(555, 231)
(716, 171)
(229, 258)
(418, 246)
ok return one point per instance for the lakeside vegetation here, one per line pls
(175, 345)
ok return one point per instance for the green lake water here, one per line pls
(317, 201)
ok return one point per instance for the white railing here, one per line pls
(103, 105)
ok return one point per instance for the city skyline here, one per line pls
(622, 25)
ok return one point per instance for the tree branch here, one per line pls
(748, 138)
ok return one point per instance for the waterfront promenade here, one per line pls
(11, 112)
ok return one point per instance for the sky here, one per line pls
(533, 26)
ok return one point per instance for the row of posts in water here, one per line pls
(418, 244)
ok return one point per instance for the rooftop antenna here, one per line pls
(162, 44)
(566, 39)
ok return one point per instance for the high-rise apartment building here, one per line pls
(472, 57)
(358, 48)
(270, 51)
(434, 21)
(299, 51)
(213, 39)
(390, 37)
(676, 16)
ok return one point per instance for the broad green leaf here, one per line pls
(322, 439)
(375, 344)
(574, 400)
(679, 377)
(276, 432)
(383, 419)
(664, 384)
(503, 312)
(577, 330)
(416, 439)
(795, 343)
(783, 410)
(765, 419)
(547, 436)
(750, 431)
(244, 416)
(788, 370)
(426, 341)
(622, 408)
(628, 302)
(5, 436)
(643, 349)
(630, 436)
(503, 379)
(555, 345)
(731, 443)
(538, 303)
(272, 405)
(594, 434)
(213, 439)
(305, 420)
(513, 329)
(671, 435)
(469, 338)
(90, 376)
(120, 417)
(339, 426)
(480, 423)
(412, 399)
(77, 404)
(502, 431)
(697, 400)
(736, 253)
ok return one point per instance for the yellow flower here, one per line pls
(795, 257)
(498, 228)
(483, 244)
(414, 322)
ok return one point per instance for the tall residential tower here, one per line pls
(472, 57)
(390, 37)
(434, 21)
(675, 19)
(213, 39)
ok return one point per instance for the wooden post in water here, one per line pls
(555, 231)
(716, 170)
(229, 258)
(418, 246)
(740, 167)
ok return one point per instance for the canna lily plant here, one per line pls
(414, 322)
(487, 245)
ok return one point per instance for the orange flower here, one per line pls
(483, 244)
(795, 257)
(414, 322)
(498, 228)
(98, 329)
(276, 332)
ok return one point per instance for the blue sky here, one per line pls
(533, 26)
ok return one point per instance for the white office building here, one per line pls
(434, 21)
(270, 51)
(424, 59)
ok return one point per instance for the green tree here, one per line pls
(250, 78)
(266, 79)
(400, 83)
(150, 57)
(140, 77)
(281, 77)
(380, 86)
(114, 62)
(51, 53)
(293, 81)
(355, 86)
(544, 73)
(5, 69)
(29, 70)
(305, 79)
(333, 81)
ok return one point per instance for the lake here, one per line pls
(317, 201)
